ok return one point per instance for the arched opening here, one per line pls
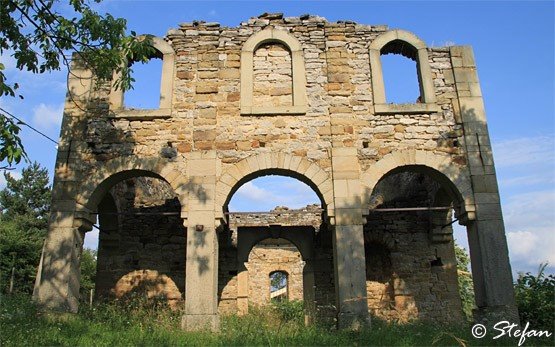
(145, 92)
(410, 249)
(275, 271)
(153, 86)
(272, 75)
(275, 223)
(405, 50)
(279, 286)
(400, 73)
(141, 240)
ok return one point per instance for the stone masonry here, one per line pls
(305, 98)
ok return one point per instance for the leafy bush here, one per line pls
(289, 311)
(535, 298)
(464, 277)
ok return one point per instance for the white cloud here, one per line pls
(522, 242)
(530, 226)
(91, 239)
(46, 116)
(250, 191)
(265, 193)
(524, 151)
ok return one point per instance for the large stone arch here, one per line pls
(275, 163)
(438, 166)
(95, 186)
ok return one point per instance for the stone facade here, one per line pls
(333, 129)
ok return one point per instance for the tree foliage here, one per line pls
(24, 205)
(42, 34)
(535, 298)
(88, 272)
(466, 285)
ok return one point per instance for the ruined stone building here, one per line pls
(299, 97)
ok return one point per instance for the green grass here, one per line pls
(21, 324)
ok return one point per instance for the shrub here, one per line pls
(289, 311)
(535, 298)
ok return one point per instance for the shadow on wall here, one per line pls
(148, 285)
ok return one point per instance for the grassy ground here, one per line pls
(136, 325)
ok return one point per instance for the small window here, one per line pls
(279, 290)
(146, 88)
(400, 73)
(153, 86)
(394, 57)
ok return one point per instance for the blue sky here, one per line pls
(514, 48)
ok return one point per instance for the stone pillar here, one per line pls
(58, 277)
(493, 283)
(348, 240)
(242, 290)
(57, 281)
(201, 287)
(309, 295)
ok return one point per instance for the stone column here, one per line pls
(201, 287)
(309, 295)
(57, 281)
(486, 232)
(242, 290)
(348, 240)
(58, 277)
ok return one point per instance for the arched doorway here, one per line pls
(410, 257)
(275, 269)
(298, 232)
(141, 240)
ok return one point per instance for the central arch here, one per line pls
(282, 164)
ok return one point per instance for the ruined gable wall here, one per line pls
(340, 112)
(206, 101)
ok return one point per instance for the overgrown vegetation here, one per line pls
(535, 297)
(24, 205)
(42, 35)
(464, 277)
(88, 272)
(131, 324)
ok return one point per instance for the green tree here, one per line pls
(24, 205)
(466, 285)
(88, 272)
(535, 298)
(42, 38)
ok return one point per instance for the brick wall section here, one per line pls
(272, 76)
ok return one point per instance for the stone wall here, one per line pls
(226, 116)
(269, 256)
(273, 76)
(413, 272)
(144, 254)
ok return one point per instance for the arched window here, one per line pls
(273, 46)
(408, 45)
(163, 51)
(279, 286)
